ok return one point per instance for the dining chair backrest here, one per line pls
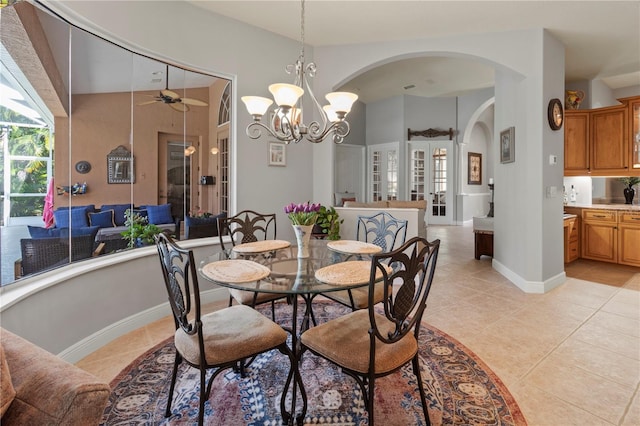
(382, 229)
(181, 281)
(406, 288)
(246, 227)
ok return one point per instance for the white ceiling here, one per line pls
(602, 38)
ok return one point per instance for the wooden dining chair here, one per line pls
(372, 343)
(381, 229)
(220, 340)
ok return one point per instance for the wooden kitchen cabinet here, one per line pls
(629, 238)
(571, 239)
(609, 152)
(634, 136)
(603, 141)
(599, 235)
(576, 143)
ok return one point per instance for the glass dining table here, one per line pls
(273, 267)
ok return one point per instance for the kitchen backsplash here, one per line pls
(598, 190)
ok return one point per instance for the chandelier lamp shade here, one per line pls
(286, 121)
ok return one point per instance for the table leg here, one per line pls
(294, 379)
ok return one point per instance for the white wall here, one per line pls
(529, 71)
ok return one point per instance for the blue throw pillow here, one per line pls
(118, 212)
(37, 232)
(78, 217)
(160, 214)
(102, 219)
(87, 230)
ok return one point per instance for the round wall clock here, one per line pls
(555, 114)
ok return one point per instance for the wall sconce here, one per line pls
(189, 150)
(214, 151)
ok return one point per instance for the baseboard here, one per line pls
(534, 287)
(100, 338)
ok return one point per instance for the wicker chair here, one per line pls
(40, 254)
(381, 229)
(219, 340)
(246, 227)
(371, 343)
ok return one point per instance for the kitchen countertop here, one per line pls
(627, 207)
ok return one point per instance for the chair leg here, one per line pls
(423, 399)
(176, 362)
(203, 396)
(372, 387)
(273, 310)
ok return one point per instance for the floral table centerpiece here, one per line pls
(303, 217)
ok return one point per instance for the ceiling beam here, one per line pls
(26, 42)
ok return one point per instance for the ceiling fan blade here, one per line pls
(170, 94)
(179, 107)
(148, 102)
(194, 102)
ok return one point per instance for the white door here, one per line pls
(349, 172)
(430, 178)
(383, 171)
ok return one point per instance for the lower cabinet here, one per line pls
(611, 236)
(629, 238)
(571, 239)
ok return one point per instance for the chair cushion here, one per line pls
(160, 214)
(78, 217)
(118, 212)
(102, 219)
(246, 297)
(231, 334)
(345, 341)
(360, 296)
(7, 392)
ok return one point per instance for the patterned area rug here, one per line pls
(461, 389)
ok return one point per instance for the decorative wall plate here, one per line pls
(83, 167)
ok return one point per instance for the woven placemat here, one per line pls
(347, 273)
(235, 271)
(353, 247)
(261, 246)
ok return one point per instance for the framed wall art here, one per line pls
(277, 154)
(508, 145)
(120, 166)
(474, 168)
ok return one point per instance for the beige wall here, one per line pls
(102, 122)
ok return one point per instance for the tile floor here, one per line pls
(569, 357)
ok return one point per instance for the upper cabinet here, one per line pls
(576, 143)
(598, 142)
(609, 141)
(634, 136)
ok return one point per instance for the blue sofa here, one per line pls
(107, 223)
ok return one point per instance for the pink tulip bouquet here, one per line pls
(302, 214)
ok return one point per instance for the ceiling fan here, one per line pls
(173, 99)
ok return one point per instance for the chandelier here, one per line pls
(285, 122)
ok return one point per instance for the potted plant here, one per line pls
(139, 231)
(328, 222)
(629, 192)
